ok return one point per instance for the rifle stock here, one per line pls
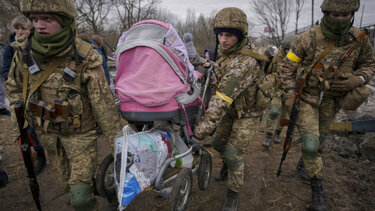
(25, 143)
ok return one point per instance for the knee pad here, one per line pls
(310, 146)
(232, 158)
(81, 197)
(218, 144)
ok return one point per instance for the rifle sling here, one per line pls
(324, 53)
(40, 80)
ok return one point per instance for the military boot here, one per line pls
(318, 196)
(276, 137)
(302, 170)
(267, 143)
(223, 174)
(231, 201)
(40, 162)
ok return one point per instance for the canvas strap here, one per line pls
(40, 80)
(253, 54)
(317, 63)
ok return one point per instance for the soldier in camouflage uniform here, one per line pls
(233, 108)
(277, 110)
(327, 86)
(70, 102)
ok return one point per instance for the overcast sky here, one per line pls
(207, 7)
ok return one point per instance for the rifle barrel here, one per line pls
(24, 143)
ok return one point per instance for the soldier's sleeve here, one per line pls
(288, 66)
(103, 105)
(241, 75)
(366, 61)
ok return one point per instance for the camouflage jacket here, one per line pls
(87, 98)
(307, 47)
(277, 59)
(236, 89)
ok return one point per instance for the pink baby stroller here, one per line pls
(155, 82)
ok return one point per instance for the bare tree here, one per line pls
(9, 9)
(200, 28)
(164, 15)
(92, 14)
(273, 14)
(299, 6)
(132, 11)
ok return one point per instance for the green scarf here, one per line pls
(234, 48)
(335, 29)
(46, 46)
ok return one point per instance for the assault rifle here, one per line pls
(300, 84)
(205, 89)
(292, 122)
(26, 141)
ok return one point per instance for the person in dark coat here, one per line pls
(22, 27)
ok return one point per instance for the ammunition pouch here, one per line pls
(60, 117)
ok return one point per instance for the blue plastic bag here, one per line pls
(131, 189)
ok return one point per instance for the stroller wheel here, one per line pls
(105, 181)
(204, 171)
(181, 190)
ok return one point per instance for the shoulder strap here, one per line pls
(253, 54)
(40, 80)
(323, 54)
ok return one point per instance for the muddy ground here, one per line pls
(349, 182)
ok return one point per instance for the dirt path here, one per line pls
(349, 183)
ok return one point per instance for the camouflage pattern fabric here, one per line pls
(90, 103)
(240, 72)
(272, 125)
(317, 112)
(277, 99)
(73, 157)
(340, 5)
(235, 114)
(316, 120)
(231, 17)
(306, 46)
(231, 138)
(62, 7)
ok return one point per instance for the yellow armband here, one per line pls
(293, 57)
(224, 97)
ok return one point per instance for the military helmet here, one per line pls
(62, 7)
(340, 5)
(287, 41)
(231, 17)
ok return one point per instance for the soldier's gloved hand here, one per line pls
(348, 83)
(274, 112)
(289, 103)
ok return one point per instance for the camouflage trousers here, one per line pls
(231, 138)
(73, 157)
(272, 125)
(316, 120)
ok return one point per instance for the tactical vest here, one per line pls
(59, 105)
(254, 98)
(320, 80)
